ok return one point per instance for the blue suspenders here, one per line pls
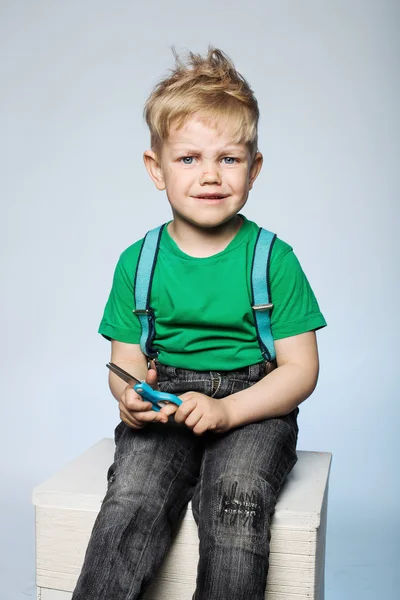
(142, 288)
(261, 294)
(261, 300)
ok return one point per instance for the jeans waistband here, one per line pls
(252, 373)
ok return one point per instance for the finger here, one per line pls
(186, 396)
(151, 416)
(134, 402)
(128, 394)
(200, 428)
(184, 410)
(169, 409)
(151, 377)
(129, 420)
(139, 419)
(138, 405)
(129, 416)
(193, 419)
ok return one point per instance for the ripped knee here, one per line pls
(240, 506)
(244, 504)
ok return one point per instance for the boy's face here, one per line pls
(206, 174)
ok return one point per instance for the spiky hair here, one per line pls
(206, 86)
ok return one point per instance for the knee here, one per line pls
(242, 505)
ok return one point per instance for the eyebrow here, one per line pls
(181, 147)
(232, 148)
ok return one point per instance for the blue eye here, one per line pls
(229, 160)
(187, 160)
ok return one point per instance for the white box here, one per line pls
(67, 504)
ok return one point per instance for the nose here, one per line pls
(210, 175)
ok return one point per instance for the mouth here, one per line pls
(211, 196)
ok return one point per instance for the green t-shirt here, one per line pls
(202, 306)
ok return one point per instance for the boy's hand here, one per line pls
(201, 413)
(134, 411)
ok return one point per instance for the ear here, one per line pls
(255, 168)
(154, 169)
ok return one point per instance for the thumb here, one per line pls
(151, 377)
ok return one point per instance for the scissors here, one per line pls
(156, 398)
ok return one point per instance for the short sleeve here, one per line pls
(119, 322)
(295, 309)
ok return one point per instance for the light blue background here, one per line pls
(74, 193)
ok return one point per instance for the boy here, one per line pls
(231, 443)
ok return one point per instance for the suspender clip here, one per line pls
(263, 307)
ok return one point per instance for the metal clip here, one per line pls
(142, 311)
(263, 307)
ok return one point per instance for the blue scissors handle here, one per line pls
(144, 389)
(153, 396)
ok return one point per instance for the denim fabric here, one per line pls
(233, 480)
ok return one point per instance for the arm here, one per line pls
(133, 410)
(284, 389)
(277, 394)
(130, 358)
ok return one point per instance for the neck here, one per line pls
(201, 243)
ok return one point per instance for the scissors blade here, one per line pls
(127, 377)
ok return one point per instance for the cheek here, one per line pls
(171, 178)
(179, 183)
(183, 179)
(240, 181)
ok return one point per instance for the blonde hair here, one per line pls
(209, 87)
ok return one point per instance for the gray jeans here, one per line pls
(233, 480)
